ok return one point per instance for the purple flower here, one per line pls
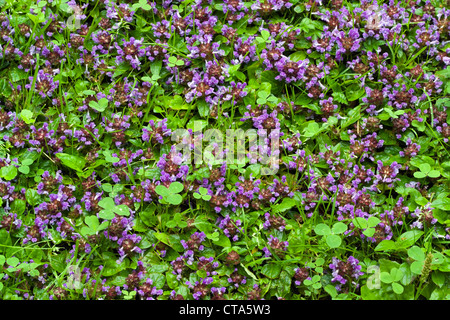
(343, 272)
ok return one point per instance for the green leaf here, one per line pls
(425, 167)
(107, 203)
(100, 106)
(397, 287)
(32, 197)
(162, 190)
(354, 92)
(24, 169)
(396, 274)
(360, 222)
(223, 241)
(107, 187)
(442, 204)
(386, 245)
(176, 187)
(109, 157)
(122, 210)
(333, 241)
(271, 270)
(71, 161)
(106, 214)
(416, 253)
(419, 175)
(437, 277)
(369, 232)
(27, 116)
(322, 229)
(286, 204)
(174, 199)
(203, 108)
(339, 227)
(408, 238)
(416, 267)
(434, 174)
(8, 172)
(197, 196)
(92, 222)
(311, 130)
(373, 221)
(12, 261)
(386, 277)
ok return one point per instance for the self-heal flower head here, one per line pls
(130, 51)
(387, 173)
(45, 85)
(290, 71)
(343, 272)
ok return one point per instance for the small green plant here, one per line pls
(420, 258)
(331, 235)
(393, 277)
(170, 194)
(177, 221)
(202, 194)
(175, 62)
(367, 225)
(93, 226)
(110, 209)
(426, 171)
(99, 105)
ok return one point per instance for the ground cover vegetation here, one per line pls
(98, 203)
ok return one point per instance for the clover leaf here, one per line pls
(426, 170)
(331, 235)
(368, 225)
(110, 209)
(392, 278)
(170, 194)
(202, 194)
(93, 226)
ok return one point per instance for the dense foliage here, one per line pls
(98, 203)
